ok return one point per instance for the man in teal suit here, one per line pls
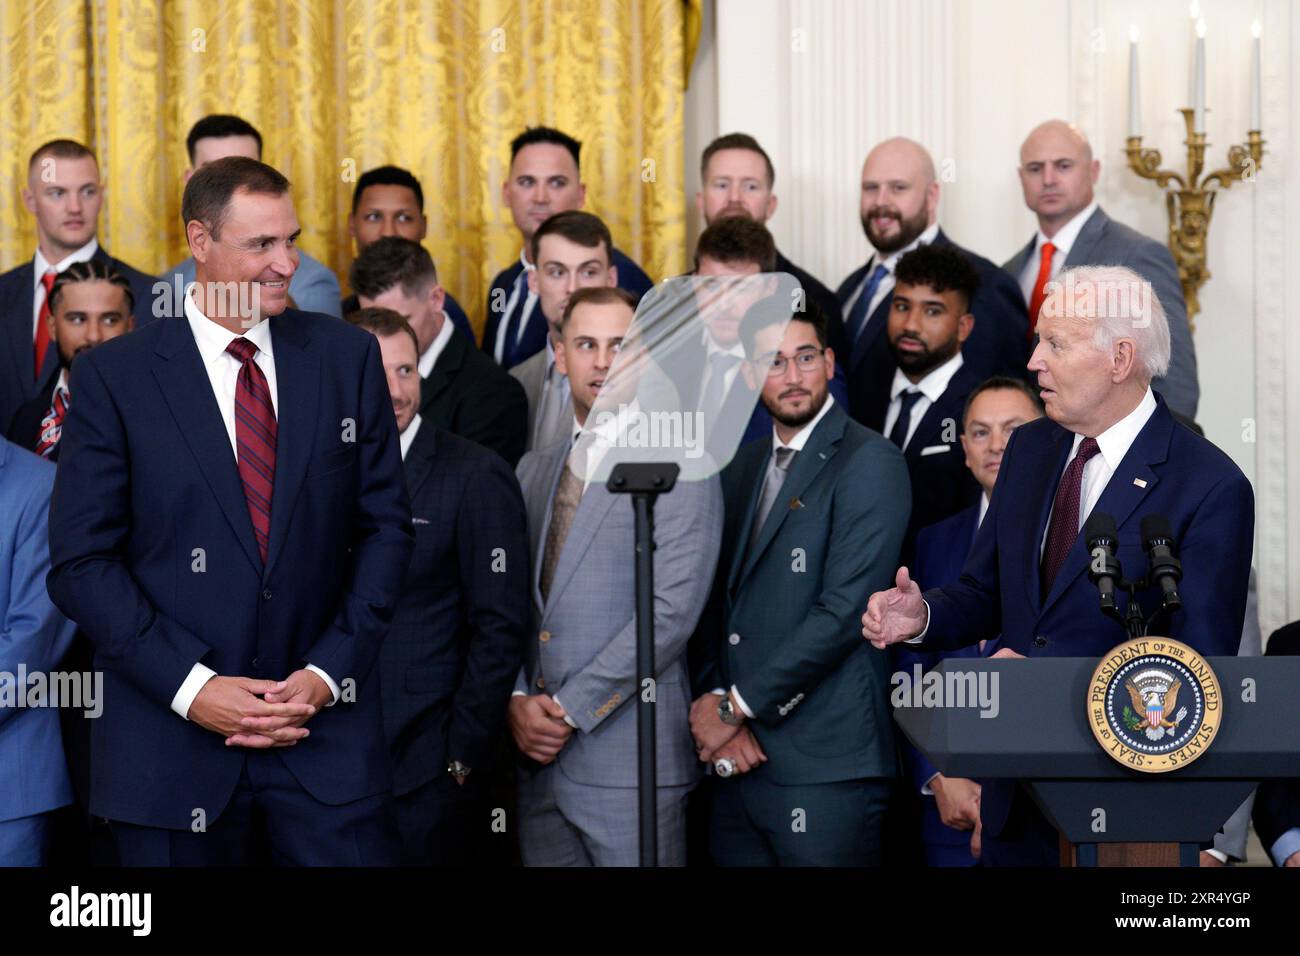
(790, 712)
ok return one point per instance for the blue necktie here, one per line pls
(520, 293)
(898, 434)
(861, 315)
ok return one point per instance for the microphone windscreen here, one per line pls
(1156, 526)
(1099, 525)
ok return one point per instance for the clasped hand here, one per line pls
(260, 713)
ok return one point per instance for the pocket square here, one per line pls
(415, 520)
(935, 450)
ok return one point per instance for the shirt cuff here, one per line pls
(920, 637)
(329, 682)
(567, 719)
(1285, 845)
(199, 675)
(518, 693)
(1218, 854)
(926, 790)
(744, 709)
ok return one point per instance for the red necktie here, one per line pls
(43, 321)
(255, 436)
(52, 423)
(1040, 285)
(1064, 527)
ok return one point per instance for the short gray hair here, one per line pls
(1121, 305)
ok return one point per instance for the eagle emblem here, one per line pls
(1154, 694)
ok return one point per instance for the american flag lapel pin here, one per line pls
(1140, 482)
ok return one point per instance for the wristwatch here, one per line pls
(727, 712)
(458, 769)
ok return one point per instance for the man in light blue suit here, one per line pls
(573, 713)
(314, 287)
(34, 635)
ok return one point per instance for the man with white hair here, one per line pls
(1108, 444)
(1057, 174)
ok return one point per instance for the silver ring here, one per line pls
(724, 767)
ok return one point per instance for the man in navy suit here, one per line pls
(230, 528)
(1277, 802)
(544, 179)
(389, 201)
(90, 303)
(65, 195)
(929, 319)
(736, 179)
(900, 199)
(1109, 444)
(449, 662)
(950, 805)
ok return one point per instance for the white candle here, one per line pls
(1134, 96)
(1198, 102)
(1195, 11)
(1256, 85)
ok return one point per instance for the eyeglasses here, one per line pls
(805, 361)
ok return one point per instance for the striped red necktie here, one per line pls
(42, 340)
(255, 436)
(52, 423)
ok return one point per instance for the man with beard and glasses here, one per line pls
(929, 319)
(90, 303)
(900, 199)
(790, 713)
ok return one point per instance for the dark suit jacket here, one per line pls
(454, 312)
(1103, 241)
(153, 555)
(25, 428)
(998, 345)
(17, 299)
(457, 640)
(1209, 504)
(941, 550)
(1277, 802)
(942, 485)
(814, 290)
(785, 627)
(631, 278)
(469, 395)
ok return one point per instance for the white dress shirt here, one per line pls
(41, 265)
(1112, 444)
(223, 374)
(407, 438)
(1062, 242)
(430, 356)
(796, 443)
(931, 388)
(889, 262)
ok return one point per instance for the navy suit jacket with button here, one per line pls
(152, 554)
(1168, 470)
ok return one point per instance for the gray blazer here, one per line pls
(1103, 241)
(554, 410)
(583, 647)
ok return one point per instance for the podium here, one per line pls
(1108, 814)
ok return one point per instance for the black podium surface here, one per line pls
(1038, 733)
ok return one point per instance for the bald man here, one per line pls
(899, 205)
(1058, 173)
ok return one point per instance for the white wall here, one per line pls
(818, 82)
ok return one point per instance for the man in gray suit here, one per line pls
(573, 713)
(314, 287)
(571, 251)
(1058, 173)
(794, 717)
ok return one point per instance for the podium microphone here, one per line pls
(1158, 542)
(1102, 538)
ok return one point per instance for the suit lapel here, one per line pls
(822, 445)
(297, 375)
(443, 372)
(547, 490)
(1017, 265)
(592, 509)
(1123, 492)
(1049, 461)
(752, 477)
(419, 458)
(201, 426)
(1089, 236)
(20, 296)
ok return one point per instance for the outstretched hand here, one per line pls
(895, 615)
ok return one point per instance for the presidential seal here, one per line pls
(1154, 704)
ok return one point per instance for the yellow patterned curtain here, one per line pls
(437, 86)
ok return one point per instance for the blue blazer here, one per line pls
(17, 299)
(998, 345)
(631, 278)
(941, 550)
(153, 555)
(1169, 470)
(33, 774)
